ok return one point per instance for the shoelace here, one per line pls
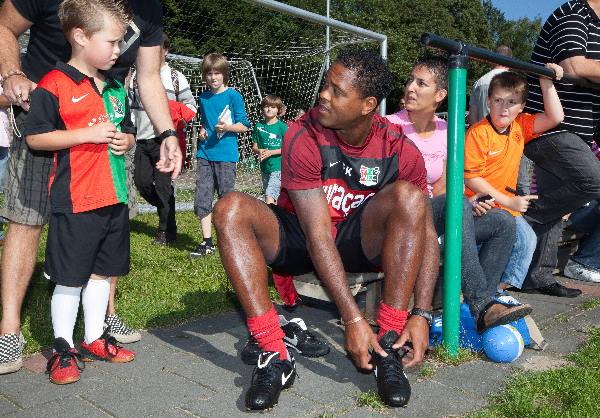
(266, 376)
(110, 341)
(394, 371)
(64, 358)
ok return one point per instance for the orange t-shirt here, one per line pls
(496, 157)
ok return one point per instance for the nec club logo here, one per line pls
(369, 176)
(118, 107)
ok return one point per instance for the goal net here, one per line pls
(269, 53)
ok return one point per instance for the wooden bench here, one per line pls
(310, 285)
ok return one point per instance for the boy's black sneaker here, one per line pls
(392, 383)
(297, 336)
(202, 250)
(271, 375)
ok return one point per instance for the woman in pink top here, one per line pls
(487, 240)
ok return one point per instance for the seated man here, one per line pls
(353, 199)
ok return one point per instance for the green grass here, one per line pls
(566, 392)
(591, 304)
(427, 371)
(370, 399)
(164, 286)
(440, 355)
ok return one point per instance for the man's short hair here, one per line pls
(436, 66)
(216, 62)
(272, 100)
(372, 75)
(504, 50)
(86, 14)
(509, 80)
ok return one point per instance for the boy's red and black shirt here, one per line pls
(85, 176)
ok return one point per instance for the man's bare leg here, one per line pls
(18, 261)
(248, 238)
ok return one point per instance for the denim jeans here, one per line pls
(568, 177)
(521, 254)
(494, 233)
(587, 220)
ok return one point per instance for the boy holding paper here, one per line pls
(223, 117)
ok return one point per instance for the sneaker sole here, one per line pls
(13, 366)
(89, 357)
(66, 381)
(126, 338)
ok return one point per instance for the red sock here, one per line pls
(390, 319)
(268, 333)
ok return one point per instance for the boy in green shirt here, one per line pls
(266, 143)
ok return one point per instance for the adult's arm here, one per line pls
(154, 100)
(17, 88)
(582, 67)
(313, 215)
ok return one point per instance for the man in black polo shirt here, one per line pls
(26, 202)
(568, 173)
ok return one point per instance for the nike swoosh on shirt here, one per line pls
(495, 152)
(332, 164)
(78, 99)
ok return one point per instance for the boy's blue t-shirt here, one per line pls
(224, 149)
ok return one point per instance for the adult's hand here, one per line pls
(417, 332)
(359, 339)
(17, 90)
(170, 157)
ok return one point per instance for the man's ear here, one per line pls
(79, 36)
(369, 105)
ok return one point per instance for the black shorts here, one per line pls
(293, 258)
(86, 243)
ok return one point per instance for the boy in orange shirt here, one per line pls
(493, 150)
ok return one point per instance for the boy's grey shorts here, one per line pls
(272, 184)
(26, 197)
(211, 177)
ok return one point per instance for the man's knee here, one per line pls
(229, 210)
(408, 199)
(23, 231)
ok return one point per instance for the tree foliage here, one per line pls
(474, 22)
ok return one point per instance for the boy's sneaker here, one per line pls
(202, 250)
(65, 365)
(577, 271)
(120, 330)
(297, 336)
(392, 383)
(11, 352)
(271, 375)
(105, 348)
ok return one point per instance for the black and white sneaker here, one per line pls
(297, 336)
(392, 383)
(11, 352)
(271, 375)
(202, 250)
(120, 331)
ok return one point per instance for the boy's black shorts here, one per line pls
(86, 243)
(293, 258)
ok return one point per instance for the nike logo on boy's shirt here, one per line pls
(78, 99)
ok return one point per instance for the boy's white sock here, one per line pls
(94, 299)
(63, 307)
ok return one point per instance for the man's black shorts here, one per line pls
(86, 243)
(293, 258)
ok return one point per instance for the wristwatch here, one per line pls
(422, 312)
(165, 134)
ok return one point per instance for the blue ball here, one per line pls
(503, 344)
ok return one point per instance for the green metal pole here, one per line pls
(457, 66)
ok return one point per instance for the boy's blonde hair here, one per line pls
(85, 14)
(272, 100)
(509, 80)
(216, 62)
